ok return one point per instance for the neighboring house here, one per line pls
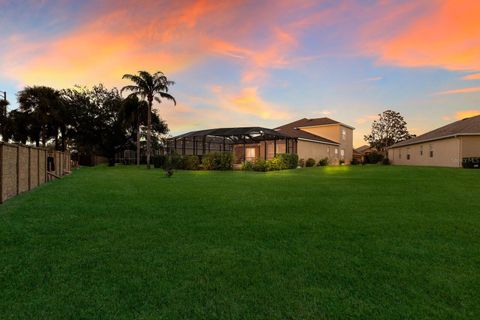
(361, 153)
(309, 138)
(446, 146)
(321, 138)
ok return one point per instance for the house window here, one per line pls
(344, 134)
(328, 150)
(408, 157)
(421, 150)
(400, 154)
(250, 154)
(342, 153)
(408, 153)
(431, 151)
(336, 151)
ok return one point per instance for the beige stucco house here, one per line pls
(446, 146)
(321, 138)
(309, 138)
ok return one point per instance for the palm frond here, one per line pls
(165, 96)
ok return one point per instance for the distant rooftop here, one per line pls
(467, 126)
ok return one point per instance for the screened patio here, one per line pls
(247, 143)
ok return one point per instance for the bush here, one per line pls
(323, 162)
(158, 161)
(386, 162)
(301, 163)
(374, 157)
(218, 161)
(191, 162)
(260, 165)
(310, 162)
(355, 162)
(247, 166)
(341, 162)
(172, 161)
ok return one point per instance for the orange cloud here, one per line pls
(248, 101)
(462, 90)
(474, 76)
(446, 36)
(466, 114)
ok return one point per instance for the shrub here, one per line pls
(301, 163)
(191, 162)
(310, 162)
(218, 161)
(355, 162)
(247, 166)
(323, 162)
(341, 162)
(290, 160)
(374, 157)
(260, 165)
(386, 162)
(158, 161)
(173, 161)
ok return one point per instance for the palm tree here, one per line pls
(149, 86)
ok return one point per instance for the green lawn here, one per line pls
(374, 242)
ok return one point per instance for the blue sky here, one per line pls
(258, 62)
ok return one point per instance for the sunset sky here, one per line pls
(265, 63)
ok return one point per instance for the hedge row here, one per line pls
(211, 161)
(279, 162)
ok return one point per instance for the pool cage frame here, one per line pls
(203, 142)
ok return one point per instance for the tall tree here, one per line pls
(39, 103)
(389, 129)
(149, 86)
(133, 109)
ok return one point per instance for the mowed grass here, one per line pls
(373, 242)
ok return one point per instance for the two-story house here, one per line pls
(321, 138)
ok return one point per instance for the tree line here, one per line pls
(90, 120)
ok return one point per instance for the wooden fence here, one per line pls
(23, 168)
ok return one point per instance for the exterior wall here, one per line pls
(260, 150)
(470, 146)
(446, 153)
(317, 151)
(22, 168)
(334, 133)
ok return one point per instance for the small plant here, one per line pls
(386, 162)
(323, 162)
(310, 162)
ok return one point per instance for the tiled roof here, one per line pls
(466, 126)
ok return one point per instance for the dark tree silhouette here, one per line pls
(389, 129)
(150, 87)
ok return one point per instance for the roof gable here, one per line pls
(466, 126)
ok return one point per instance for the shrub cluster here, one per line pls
(218, 161)
(191, 162)
(310, 162)
(374, 157)
(354, 162)
(323, 162)
(280, 162)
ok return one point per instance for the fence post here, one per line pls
(18, 169)
(1, 173)
(29, 169)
